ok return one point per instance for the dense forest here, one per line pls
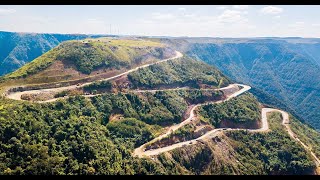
(79, 136)
(241, 152)
(74, 136)
(183, 71)
(288, 71)
(240, 112)
(97, 135)
(243, 60)
(242, 109)
(286, 68)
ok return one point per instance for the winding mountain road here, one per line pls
(182, 88)
(17, 95)
(140, 151)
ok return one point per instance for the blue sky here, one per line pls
(178, 20)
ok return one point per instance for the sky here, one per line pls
(165, 20)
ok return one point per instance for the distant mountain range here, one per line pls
(17, 49)
(287, 68)
(115, 106)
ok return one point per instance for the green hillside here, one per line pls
(17, 49)
(242, 153)
(240, 110)
(98, 133)
(286, 68)
(181, 71)
(78, 61)
(79, 136)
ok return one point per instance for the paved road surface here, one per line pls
(140, 150)
(17, 95)
(265, 127)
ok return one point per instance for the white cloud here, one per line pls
(93, 25)
(297, 27)
(221, 7)
(6, 11)
(218, 21)
(297, 24)
(93, 20)
(271, 10)
(240, 7)
(231, 16)
(300, 23)
(229, 22)
(162, 16)
(189, 15)
(145, 21)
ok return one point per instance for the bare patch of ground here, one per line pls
(115, 117)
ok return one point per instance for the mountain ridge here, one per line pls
(95, 129)
(285, 68)
(18, 49)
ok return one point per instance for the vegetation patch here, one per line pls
(243, 153)
(35, 66)
(276, 150)
(185, 133)
(132, 130)
(179, 71)
(306, 134)
(90, 55)
(68, 137)
(241, 109)
(99, 86)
